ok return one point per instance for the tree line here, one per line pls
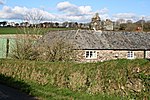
(140, 25)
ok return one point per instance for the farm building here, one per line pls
(102, 46)
(94, 45)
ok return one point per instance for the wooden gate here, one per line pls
(3, 42)
(5, 46)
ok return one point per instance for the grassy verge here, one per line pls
(109, 80)
(49, 92)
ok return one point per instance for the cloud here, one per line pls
(85, 10)
(126, 16)
(20, 13)
(103, 11)
(66, 12)
(2, 2)
(73, 12)
(71, 9)
(80, 13)
(65, 6)
(147, 18)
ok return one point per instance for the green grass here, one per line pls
(11, 30)
(8, 30)
(50, 92)
(84, 81)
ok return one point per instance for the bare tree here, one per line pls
(28, 47)
(34, 19)
(58, 50)
(23, 49)
(27, 37)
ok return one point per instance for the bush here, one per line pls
(59, 50)
(23, 49)
(27, 47)
(118, 77)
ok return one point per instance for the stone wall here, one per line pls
(104, 55)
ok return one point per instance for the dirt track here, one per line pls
(7, 93)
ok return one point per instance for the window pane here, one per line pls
(91, 54)
(130, 54)
(94, 54)
(87, 54)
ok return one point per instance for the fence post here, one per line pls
(7, 48)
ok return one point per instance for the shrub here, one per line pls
(118, 77)
(27, 47)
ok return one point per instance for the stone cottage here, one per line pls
(108, 25)
(102, 46)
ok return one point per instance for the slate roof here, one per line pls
(88, 39)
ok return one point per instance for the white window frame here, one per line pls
(148, 54)
(91, 54)
(130, 55)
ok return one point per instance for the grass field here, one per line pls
(8, 30)
(11, 30)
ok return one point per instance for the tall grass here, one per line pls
(126, 78)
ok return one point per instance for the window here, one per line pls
(90, 54)
(148, 54)
(130, 55)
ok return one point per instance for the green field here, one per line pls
(7, 30)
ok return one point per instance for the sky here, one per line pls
(75, 10)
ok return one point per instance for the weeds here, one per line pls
(119, 77)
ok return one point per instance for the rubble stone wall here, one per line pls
(104, 55)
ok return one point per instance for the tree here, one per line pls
(129, 21)
(16, 24)
(147, 26)
(76, 24)
(57, 24)
(3, 23)
(58, 50)
(123, 26)
(131, 27)
(23, 49)
(65, 24)
(29, 47)
(24, 43)
(120, 21)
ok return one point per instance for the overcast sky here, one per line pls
(75, 10)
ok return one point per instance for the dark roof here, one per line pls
(88, 39)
